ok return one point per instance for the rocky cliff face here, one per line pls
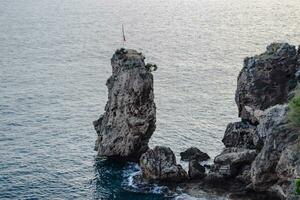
(266, 79)
(261, 150)
(130, 113)
(262, 153)
(267, 173)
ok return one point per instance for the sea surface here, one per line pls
(54, 62)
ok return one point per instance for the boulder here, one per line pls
(266, 80)
(159, 164)
(196, 170)
(129, 120)
(235, 156)
(194, 153)
(232, 161)
(240, 134)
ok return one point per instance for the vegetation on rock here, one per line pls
(294, 109)
(151, 67)
(297, 186)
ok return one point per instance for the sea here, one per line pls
(54, 63)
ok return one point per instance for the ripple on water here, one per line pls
(54, 66)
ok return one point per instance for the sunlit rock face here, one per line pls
(266, 79)
(130, 113)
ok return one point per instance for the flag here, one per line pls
(124, 39)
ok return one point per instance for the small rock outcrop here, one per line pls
(159, 164)
(266, 79)
(194, 153)
(130, 113)
(240, 134)
(232, 161)
(235, 156)
(196, 170)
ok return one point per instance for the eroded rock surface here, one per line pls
(232, 161)
(275, 167)
(159, 164)
(130, 113)
(266, 79)
(261, 151)
(240, 134)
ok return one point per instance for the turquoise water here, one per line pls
(54, 62)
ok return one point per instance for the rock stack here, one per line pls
(130, 113)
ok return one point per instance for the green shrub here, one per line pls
(297, 186)
(151, 67)
(294, 109)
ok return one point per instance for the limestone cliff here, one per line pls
(130, 113)
(265, 85)
(266, 79)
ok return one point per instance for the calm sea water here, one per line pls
(54, 62)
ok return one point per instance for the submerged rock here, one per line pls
(130, 113)
(266, 79)
(159, 164)
(194, 153)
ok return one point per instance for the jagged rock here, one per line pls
(234, 156)
(270, 119)
(266, 79)
(253, 114)
(196, 170)
(232, 161)
(288, 166)
(194, 153)
(130, 114)
(273, 168)
(159, 164)
(288, 170)
(240, 134)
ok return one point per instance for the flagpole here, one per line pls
(124, 39)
